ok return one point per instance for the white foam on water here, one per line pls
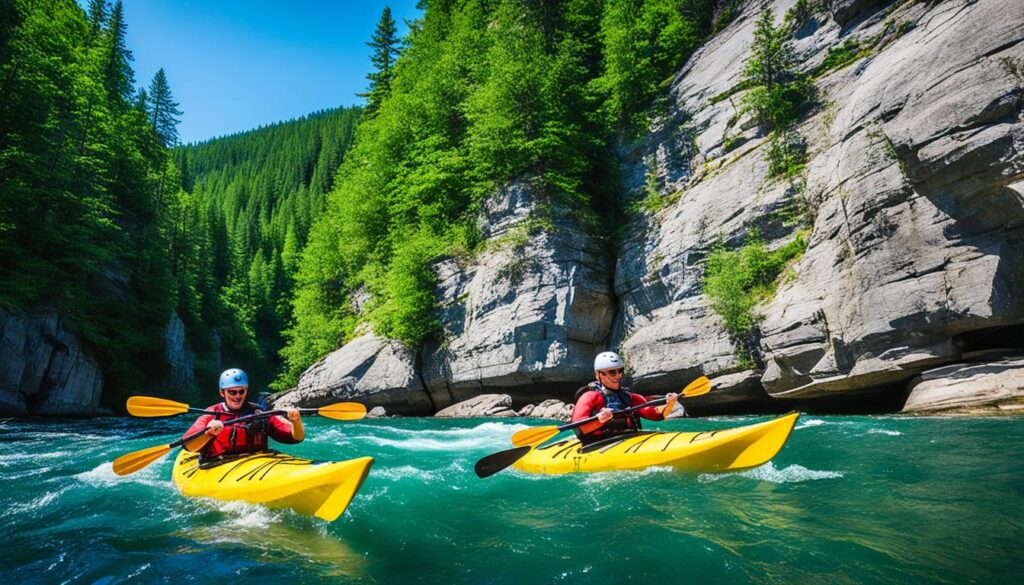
(884, 432)
(405, 472)
(498, 428)
(34, 504)
(769, 473)
(44, 436)
(18, 459)
(443, 476)
(428, 444)
(137, 572)
(486, 436)
(103, 475)
(33, 472)
(624, 476)
(245, 515)
(810, 422)
(433, 439)
(58, 562)
(368, 495)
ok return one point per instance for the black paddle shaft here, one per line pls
(306, 411)
(233, 421)
(579, 423)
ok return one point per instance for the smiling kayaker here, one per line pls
(607, 395)
(249, 437)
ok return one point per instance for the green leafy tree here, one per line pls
(255, 196)
(83, 228)
(486, 93)
(644, 44)
(98, 10)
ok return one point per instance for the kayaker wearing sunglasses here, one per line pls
(607, 395)
(250, 437)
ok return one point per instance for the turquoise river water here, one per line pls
(848, 500)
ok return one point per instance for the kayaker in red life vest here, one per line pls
(606, 395)
(248, 437)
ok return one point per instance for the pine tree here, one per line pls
(779, 93)
(118, 77)
(385, 52)
(771, 57)
(97, 17)
(164, 110)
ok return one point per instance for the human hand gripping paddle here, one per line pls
(145, 406)
(527, 439)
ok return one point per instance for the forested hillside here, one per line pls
(251, 200)
(106, 222)
(87, 187)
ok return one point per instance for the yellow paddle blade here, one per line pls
(533, 436)
(667, 410)
(137, 460)
(197, 443)
(343, 411)
(699, 386)
(148, 406)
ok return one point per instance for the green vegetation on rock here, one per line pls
(779, 94)
(736, 281)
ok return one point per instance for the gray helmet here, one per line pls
(233, 377)
(607, 360)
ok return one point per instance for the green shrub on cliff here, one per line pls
(736, 281)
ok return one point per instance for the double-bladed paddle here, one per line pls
(137, 405)
(149, 406)
(527, 439)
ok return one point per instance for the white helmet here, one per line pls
(607, 360)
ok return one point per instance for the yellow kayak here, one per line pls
(276, 480)
(705, 451)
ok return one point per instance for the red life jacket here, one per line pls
(620, 423)
(247, 437)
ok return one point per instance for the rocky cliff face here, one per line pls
(915, 249)
(912, 195)
(43, 370)
(180, 382)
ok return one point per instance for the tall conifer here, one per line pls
(118, 77)
(97, 17)
(385, 51)
(164, 110)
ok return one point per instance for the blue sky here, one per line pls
(234, 65)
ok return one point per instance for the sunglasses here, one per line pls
(615, 372)
(236, 392)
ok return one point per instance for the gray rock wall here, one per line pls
(987, 386)
(528, 313)
(180, 380)
(43, 370)
(916, 237)
(370, 370)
